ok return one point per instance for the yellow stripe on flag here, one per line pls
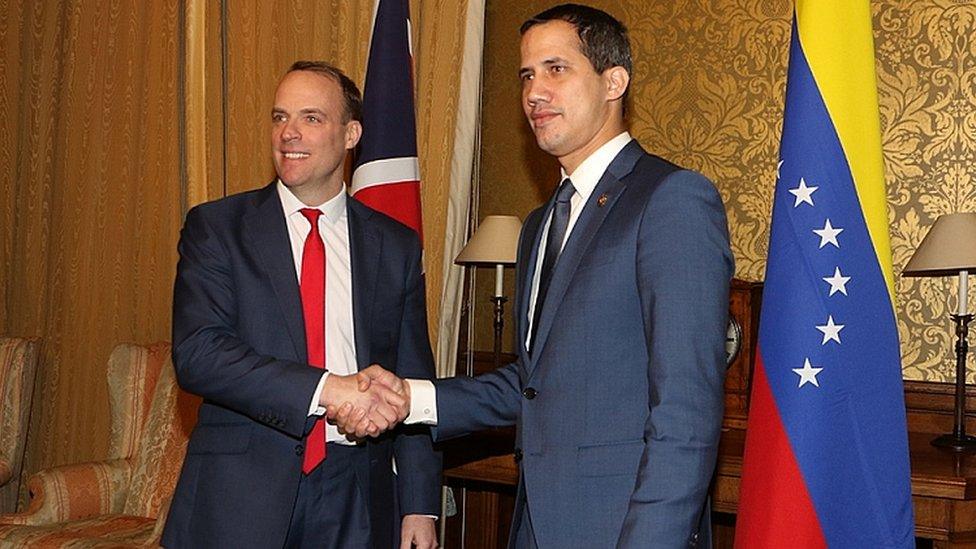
(837, 40)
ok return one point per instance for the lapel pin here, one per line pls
(602, 201)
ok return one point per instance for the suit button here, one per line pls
(518, 455)
(529, 393)
(299, 449)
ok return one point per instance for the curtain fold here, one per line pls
(90, 197)
(463, 175)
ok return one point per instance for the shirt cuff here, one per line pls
(435, 517)
(314, 409)
(423, 402)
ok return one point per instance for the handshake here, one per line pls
(367, 403)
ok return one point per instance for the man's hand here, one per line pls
(418, 531)
(355, 419)
(375, 409)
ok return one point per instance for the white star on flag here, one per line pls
(808, 374)
(828, 235)
(838, 282)
(830, 331)
(803, 194)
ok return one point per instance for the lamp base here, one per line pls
(955, 443)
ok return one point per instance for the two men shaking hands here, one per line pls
(376, 400)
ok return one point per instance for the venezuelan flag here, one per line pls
(826, 459)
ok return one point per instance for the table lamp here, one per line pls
(949, 249)
(494, 243)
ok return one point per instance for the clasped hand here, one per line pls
(367, 403)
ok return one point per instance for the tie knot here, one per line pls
(312, 215)
(565, 192)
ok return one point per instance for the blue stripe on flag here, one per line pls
(389, 122)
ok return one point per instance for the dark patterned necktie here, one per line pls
(554, 244)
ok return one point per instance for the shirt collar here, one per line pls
(588, 173)
(332, 208)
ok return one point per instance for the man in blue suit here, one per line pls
(621, 309)
(272, 286)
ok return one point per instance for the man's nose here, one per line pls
(535, 92)
(290, 132)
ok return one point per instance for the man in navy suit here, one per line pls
(272, 286)
(621, 309)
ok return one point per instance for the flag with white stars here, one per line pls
(826, 459)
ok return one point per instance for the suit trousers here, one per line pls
(331, 509)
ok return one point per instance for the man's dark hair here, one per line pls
(350, 93)
(603, 39)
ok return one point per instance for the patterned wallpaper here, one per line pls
(707, 93)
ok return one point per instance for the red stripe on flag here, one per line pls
(401, 201)
(775, 509)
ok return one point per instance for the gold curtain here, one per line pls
(119, 116)
(91, 191)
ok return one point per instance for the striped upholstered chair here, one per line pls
(123, 500)
(18, 365)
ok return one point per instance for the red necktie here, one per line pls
(312, 286)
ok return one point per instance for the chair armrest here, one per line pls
(5, 472)
(73, 492)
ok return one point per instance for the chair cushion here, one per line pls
(18, 362)
(102, 531)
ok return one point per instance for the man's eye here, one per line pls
(525, 77)
(277, 117)
(312, 118)
(558, 68)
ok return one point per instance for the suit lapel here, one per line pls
(365, 246)
(529, 250)
(611, 185)
(265, 228)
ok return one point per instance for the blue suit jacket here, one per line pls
(239, 342)
(619, 408)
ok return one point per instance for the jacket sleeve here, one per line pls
(210, 358)
(684, 267)
(468, 404)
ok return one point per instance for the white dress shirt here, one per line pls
(423, 397)
(340, 337)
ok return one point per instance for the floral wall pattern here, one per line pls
(707, 93)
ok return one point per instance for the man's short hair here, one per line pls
(350, 93)
(604, 39)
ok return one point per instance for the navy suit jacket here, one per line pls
(619, 408)
(239, 342)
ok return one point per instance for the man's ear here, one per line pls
(354, 130)
(617, 80)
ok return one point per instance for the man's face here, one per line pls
(309, 137)
(565, 100)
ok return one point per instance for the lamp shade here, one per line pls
(949, 247)
(495, 242)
